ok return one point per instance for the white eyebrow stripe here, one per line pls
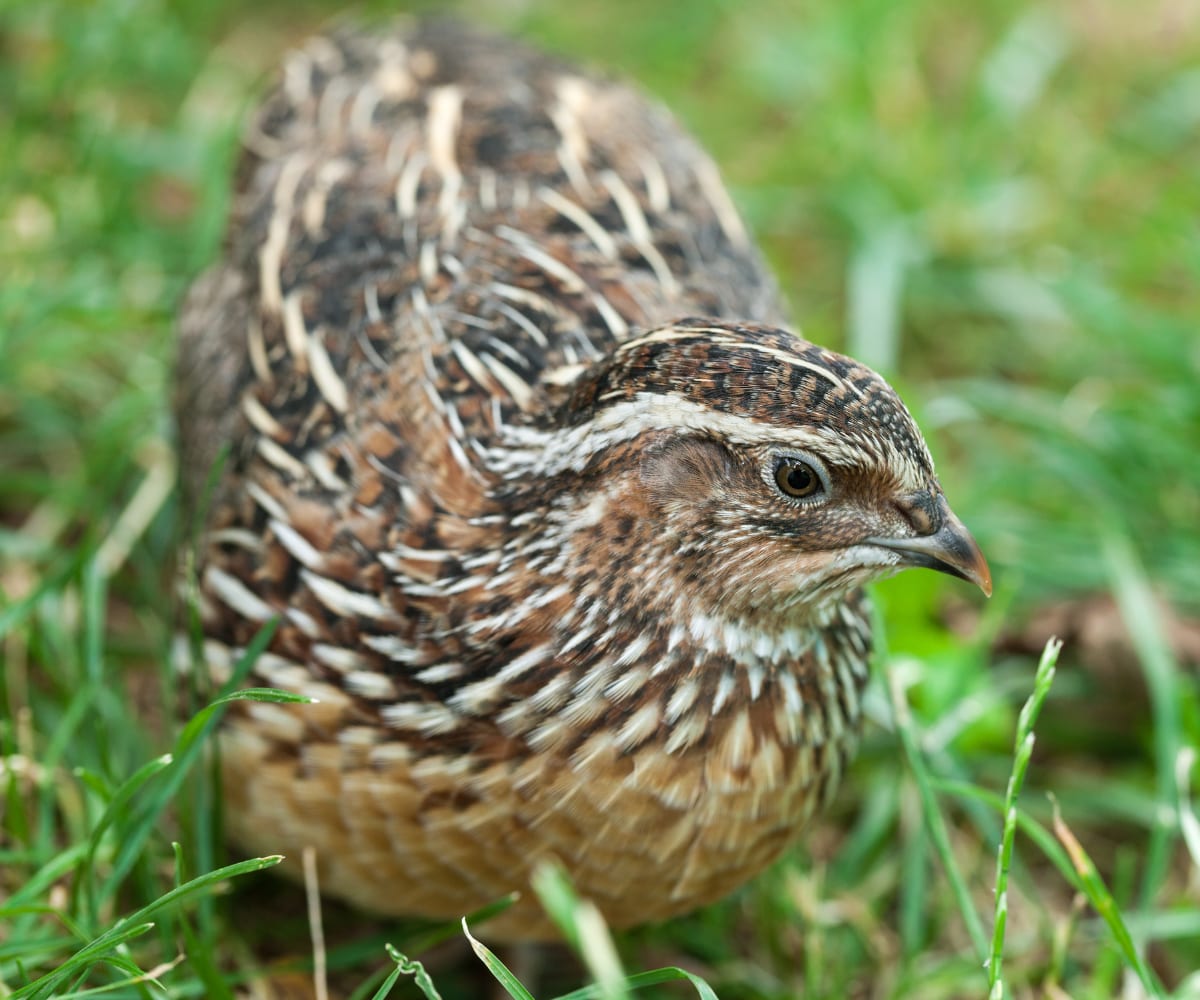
(532, 451)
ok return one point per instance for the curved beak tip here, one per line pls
(984, 582)
(961, 556)
(951, 549)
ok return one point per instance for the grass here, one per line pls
(995, 203)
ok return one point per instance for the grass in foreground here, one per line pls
(995, 204)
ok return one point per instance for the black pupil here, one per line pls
(799, 478)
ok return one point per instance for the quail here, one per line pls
(490, 408)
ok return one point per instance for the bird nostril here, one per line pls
(922, 511)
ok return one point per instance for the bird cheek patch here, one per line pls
(682, 475)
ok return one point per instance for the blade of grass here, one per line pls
(136, 923)
(1022, 752)
(85, 879)
(50, 785)
(27, 950)
(149, 976)
(655, 977)
(199, 953)
(1034, 830)
(386, 987)
(405, 966)
(1141, 617)
(914, 877)
(40, 882)
(1189, 825)
(1102, 900)
(82, 960)
(187, 749)
(511, 984)
(584, 928)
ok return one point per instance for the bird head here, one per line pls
(765, 473)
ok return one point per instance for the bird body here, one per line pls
(563, 533)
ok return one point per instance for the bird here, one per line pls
(491, 411)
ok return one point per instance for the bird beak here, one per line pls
(950, 549)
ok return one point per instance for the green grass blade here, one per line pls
(40, 882)
(584, 928)
(115, 808)
(405, 966)
(386, 987)
(137, 977)
(199, 953)
(137, 923)
(184, 755)
(1102, 900)
(1189, 825)
(82, 960)
(511, 984)
(1034, 830)
(655, 977)
(1022, 752)
(1140, 614)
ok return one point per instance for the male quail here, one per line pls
(563, 532)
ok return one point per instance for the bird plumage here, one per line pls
(563, 532)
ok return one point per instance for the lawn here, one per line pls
(995, 203)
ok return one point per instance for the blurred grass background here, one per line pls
(996, 203)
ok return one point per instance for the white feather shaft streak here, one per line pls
(295, 333)
(315, 202)
(571, 282)
(260, 417)
(513, 384)
(329, 383)
(657, 192)
(441, 129)
(579, 215)
(236, 596)
(722, 205)
(574, 96)
(344, 601)
(407, 184)
(299, 547)
(283, 460)
(257, 350)
(270, 255)
(639, 231)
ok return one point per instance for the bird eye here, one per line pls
(797, 479)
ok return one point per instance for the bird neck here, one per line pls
(601, 643)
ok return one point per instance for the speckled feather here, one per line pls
(498, 371)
